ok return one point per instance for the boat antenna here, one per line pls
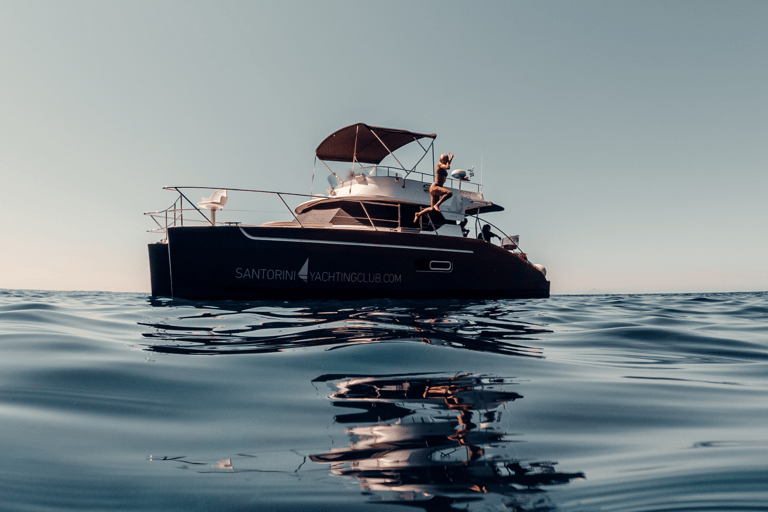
(481, 167)
(312, 187)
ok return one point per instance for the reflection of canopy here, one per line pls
(365, 144)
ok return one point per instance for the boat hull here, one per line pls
(264, 262)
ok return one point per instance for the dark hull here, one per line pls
(229, 262)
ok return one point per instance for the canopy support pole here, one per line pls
(331, 171)
(385, 147)
(431, 146)
(354, 151)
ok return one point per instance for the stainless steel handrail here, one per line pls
(397, 172)
(177, 208)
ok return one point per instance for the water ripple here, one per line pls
(574, 403)
(240, 328)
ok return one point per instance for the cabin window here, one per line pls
(365, 213)
(409, 210)
(382, 215)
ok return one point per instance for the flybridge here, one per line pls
(366, 146)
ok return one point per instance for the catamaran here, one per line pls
(359, 240)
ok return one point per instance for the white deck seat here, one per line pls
(214, 203)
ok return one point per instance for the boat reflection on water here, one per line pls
(434, 441)
(229, 327)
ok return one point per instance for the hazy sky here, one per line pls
(628, 141)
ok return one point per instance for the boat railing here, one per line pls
(183, 211)
(400, 173)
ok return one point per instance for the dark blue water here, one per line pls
(576, 403)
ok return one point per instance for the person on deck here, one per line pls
(486, 234)
(438, 194)
(463, 226)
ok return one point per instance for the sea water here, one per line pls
(115, 401)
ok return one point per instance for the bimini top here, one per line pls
(365, 144)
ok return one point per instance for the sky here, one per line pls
(627, 141)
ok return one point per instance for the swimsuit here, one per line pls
(435, 190)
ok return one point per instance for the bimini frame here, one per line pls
(364, 144)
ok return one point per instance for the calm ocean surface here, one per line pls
(114, 401)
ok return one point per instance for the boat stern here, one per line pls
(160, 270)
